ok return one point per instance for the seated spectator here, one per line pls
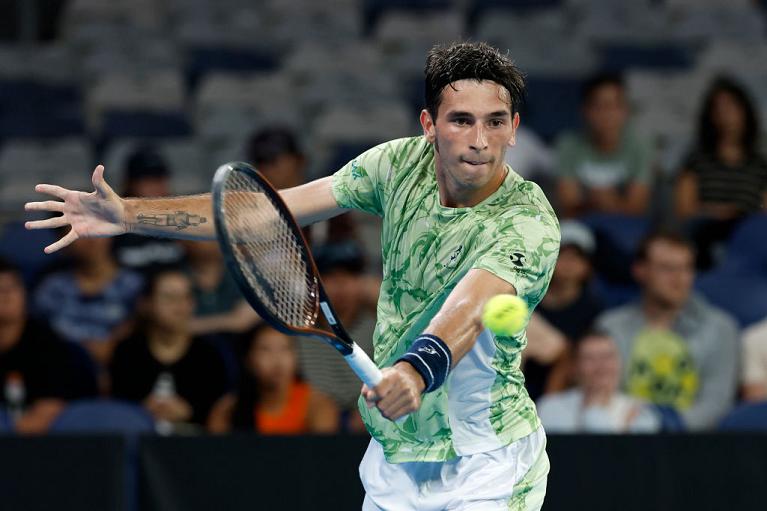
(39, 372)
(275, 152)
(677, 349)
(607, 167)
(271, 398)
(93, 303)
(220, 307)
(146, 175)
(530, 157)
(596, 405)
(725, 176)
(569, 307)
(175, 375)
(754, 362)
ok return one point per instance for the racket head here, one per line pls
(267, 254)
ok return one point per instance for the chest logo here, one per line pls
(517, 259)
(454, 256)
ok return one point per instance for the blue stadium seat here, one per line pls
(5, 422)
(103, 416)
(746, 417)
(31, 109)
(136, 124)
(373, 9)
(666, 57)
(203, 60)
(552, 105)
(25, 249)
(742, 294)
(344, 152)
(477, 7)
(747, 248)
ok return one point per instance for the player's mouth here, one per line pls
(475, 163)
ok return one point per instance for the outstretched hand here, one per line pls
(100, 213)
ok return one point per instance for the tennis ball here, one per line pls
(505, 314)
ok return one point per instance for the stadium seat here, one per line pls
(373, 9)
(103, 416)
(477, 7)
(552, 105)
(747, 248)
(670, 420)
(120, 123)
(746, 417)
(668, 57)
(206, 59)
(34, 109)
(5, 422)
(741, 293)
(25, 249)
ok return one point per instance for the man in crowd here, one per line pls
(677, 350)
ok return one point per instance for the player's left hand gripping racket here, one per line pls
(268, 257)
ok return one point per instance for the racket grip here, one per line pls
(363, 367)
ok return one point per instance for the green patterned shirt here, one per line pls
(427, 249)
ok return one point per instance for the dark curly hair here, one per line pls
(470, 61)
(708, 135)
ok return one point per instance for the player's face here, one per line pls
(172, 302)
(598, 364)
(473, 129)
(668, 273)
(272, 359)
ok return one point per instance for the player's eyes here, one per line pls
(496, 123)
(461, 122)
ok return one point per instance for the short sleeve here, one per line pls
(360, 183)
(523, 246)
(643, 158)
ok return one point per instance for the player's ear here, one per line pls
(514, 126)
(427, 123)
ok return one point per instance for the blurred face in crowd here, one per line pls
(572, 266)
(606, 112)
(667, 274)
(272, 359)
(171, 303)
(284, 171)
(203, 251)
(473, 129)
(598, 364)
(91, 250)
(12, 298)
(343, 288)
(727, 114)
(149, 186)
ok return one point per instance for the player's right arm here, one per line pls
(103, 213)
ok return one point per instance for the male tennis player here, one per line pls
(459, 226)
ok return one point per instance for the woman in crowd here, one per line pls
(272, 399)
(725, 176)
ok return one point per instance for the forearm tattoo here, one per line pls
(180, 220)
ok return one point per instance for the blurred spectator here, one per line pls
(596, 405)
(38, 371)
(725, 176)
(607, 167)
(569, 307)
(754, 362)
(94, 302)
(354, 296)
(272, 399)
(146, 175)
(176, 376)
(545, 359)
(274, 151)
(220, 306)
(677, 349)
(530, 157)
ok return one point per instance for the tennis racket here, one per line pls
(269, 258)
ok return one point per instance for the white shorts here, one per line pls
(512, 477)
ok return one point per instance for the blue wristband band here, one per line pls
(431, 357)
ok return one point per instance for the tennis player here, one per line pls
(459, 226)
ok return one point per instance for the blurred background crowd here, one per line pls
(642, 124)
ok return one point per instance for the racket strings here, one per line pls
(268, 252)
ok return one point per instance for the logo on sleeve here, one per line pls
(517, 259)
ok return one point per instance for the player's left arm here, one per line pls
(457, 324)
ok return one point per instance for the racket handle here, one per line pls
(363, 367)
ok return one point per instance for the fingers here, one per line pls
(402, 405)
(48, 205)
(99, 183)
(48, 223)
(55, 190)
(63, 242)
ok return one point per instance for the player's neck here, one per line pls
(453, 195)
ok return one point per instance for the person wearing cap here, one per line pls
(146, 175)
(566, 312)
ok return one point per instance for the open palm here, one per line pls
(99, 213)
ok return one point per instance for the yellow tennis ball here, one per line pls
(505, 314)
